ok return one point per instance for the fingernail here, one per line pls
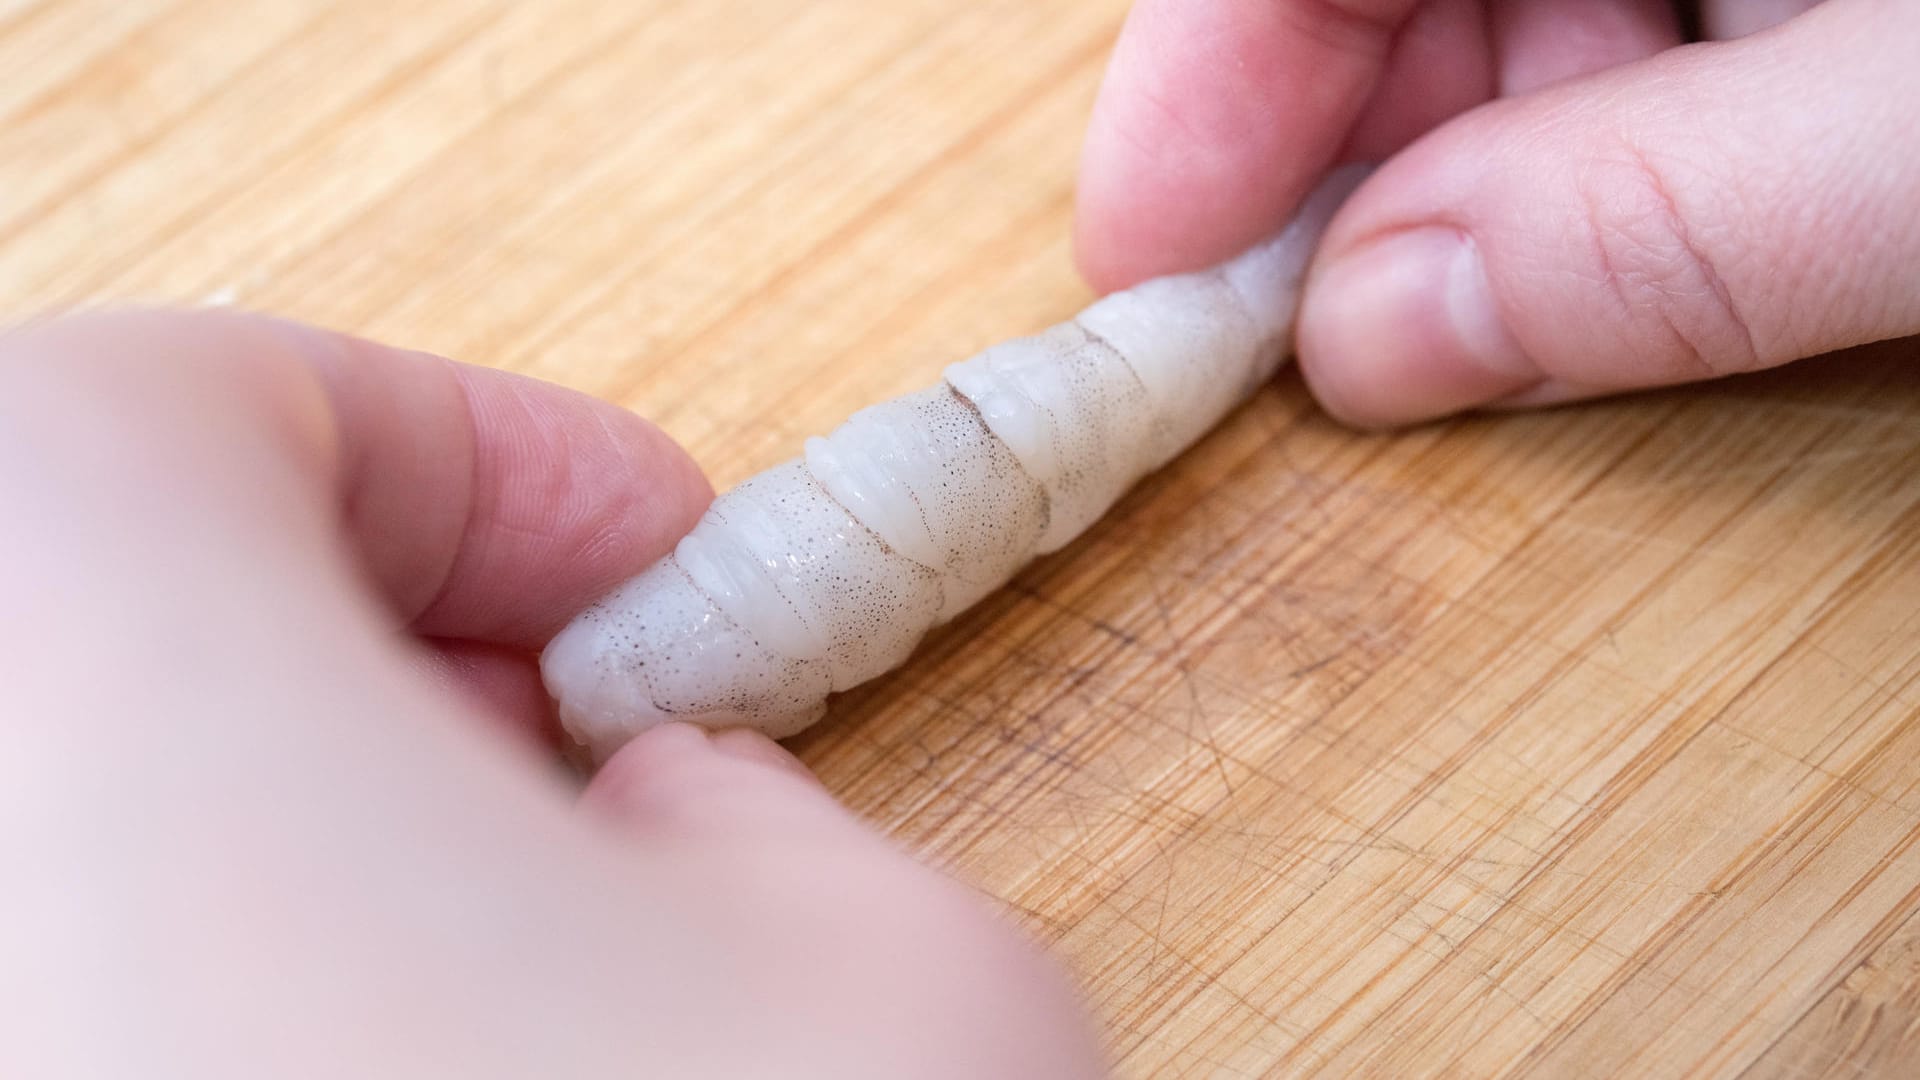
(1405, 329)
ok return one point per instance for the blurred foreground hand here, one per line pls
(272, 799)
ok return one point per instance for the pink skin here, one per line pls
(271, 596)
(1570, 203)
(272, 593)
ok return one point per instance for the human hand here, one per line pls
(262, 584)
(1589, 206)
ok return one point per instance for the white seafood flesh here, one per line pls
(826, 571)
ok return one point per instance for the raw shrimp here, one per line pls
(826, 571)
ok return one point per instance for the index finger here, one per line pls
(1215, 119)
(478, 505)
(489, 506)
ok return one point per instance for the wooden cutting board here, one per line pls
(1582, 743)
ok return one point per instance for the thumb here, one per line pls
(851, 958)
(1716, 209)
(686, 781)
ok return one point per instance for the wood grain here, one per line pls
(1572, 744)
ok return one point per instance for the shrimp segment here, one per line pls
(927, 476)
(826, 571)
(1074, 415)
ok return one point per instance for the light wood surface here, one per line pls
(1570, 744)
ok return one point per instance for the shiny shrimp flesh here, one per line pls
(826, 571)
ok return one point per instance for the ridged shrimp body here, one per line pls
(826, 571)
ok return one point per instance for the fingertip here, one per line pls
(751, 746)
(1093, 254)
(1632, 229)
(571, 496)
(632, 785)
(1214, 119)
(882, 966)
(1405, 329)
(678, 778)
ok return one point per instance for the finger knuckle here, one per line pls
(1660, 272)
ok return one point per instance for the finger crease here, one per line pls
(469, 499)
(1703, 267)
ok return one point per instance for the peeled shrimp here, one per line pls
(826, 571)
